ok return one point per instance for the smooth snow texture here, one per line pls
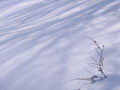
(43, 44)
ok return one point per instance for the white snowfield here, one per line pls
(43, 44)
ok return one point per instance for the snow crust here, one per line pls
(42, 44)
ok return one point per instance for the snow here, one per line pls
(43, 44)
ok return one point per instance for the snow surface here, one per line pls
(42, 44)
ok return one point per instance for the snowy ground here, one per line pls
(42, 44)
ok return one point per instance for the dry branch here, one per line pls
(97, 64)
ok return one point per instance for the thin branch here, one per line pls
(94, 59)
(90, 72)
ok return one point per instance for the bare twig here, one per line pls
(97, 64)
(99, 50)
(90, 72)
